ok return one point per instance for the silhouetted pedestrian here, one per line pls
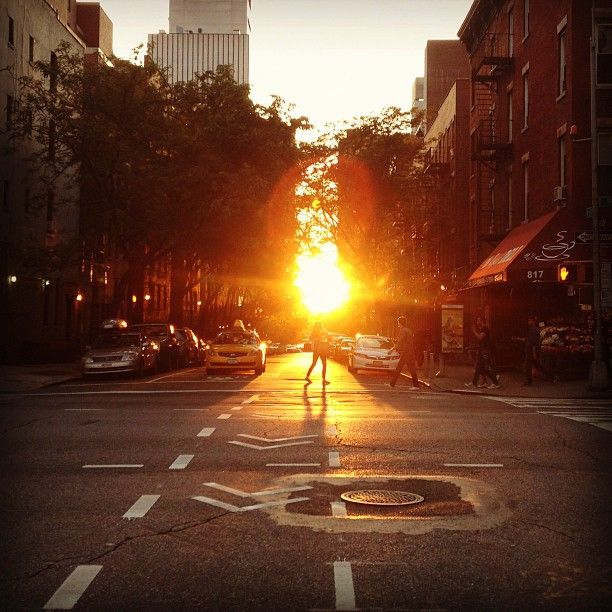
(532, 353)
(484, 356)
(405, 347)
(318, 338)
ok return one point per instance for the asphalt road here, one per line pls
(178, 492)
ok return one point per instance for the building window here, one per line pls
(525, 19)
(525, 100)
(31, 49)
(510, 33)
(525, 191)
(604, 149)
(562, 62)
(604, 54)
(11, 33)
(510, 115)
(10, 106)
(69, 5)
(562, 162)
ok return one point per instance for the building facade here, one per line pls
(204, 34)
(530, 171)
(41, 311)
(210, 16)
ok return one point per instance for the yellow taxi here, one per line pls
(236, 349)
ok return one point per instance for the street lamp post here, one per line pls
(598, 374)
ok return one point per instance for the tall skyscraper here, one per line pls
(210, 16)
(204, 34)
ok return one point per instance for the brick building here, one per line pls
(530, 171)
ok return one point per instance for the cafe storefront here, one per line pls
(523, 275)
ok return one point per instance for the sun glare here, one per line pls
(321, 282)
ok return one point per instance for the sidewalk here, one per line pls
(24, 378)
(511, 385)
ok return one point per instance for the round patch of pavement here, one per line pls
(451, 502)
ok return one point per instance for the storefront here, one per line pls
(543, 267)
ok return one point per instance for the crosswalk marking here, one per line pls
(596, 412)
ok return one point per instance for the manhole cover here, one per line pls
(378, 497)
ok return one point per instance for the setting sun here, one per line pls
(321, 282)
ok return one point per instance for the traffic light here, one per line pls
(575, 272)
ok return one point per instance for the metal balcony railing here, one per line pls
(492, 137)
(495, 49)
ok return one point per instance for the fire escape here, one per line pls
(491, 133)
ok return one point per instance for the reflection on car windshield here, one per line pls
(375, 343)
(235, 338)
(156, 331)
(116, 341)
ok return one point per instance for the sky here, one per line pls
(332, 59)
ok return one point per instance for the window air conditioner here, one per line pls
(559, 193)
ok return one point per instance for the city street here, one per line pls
(181, 492)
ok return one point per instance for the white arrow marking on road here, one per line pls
(207, 431)
(114, 465)
(334, 459)
(338, 509)
(473, 464)
(224, 416)
(246, 445)
(142, 505)
(66, 597)
(293, 465)
(251, 399)
(240, 493)
(230, 508)
(181, 462)
(343, 581)
(277, 439)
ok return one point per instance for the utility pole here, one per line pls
(598, 374)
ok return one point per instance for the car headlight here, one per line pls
(362, 355)
(129, 356)
(87, 360)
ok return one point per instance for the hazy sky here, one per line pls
(334, 59)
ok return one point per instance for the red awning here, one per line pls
(533, 251)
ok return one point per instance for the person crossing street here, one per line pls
(405, 347)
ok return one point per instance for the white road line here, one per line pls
(359, 391)
(334, 459)
(293, 465)
(83, 409)
(142, 505)
(67, 596)
(338, 509)
(114, 465)
(224, 416)
(207, 431)
(239, 493)
(251, 399)
(181, 462)
(237, 408)
(343, 581)
(482, 465)
(253, 446)
(231, 508)
(277, 439)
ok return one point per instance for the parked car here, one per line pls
(120, 351)
(275, 348)
(372, 353)
(164, 335)
(236, 349)
(294, 348)
(343, 349)
(188, 347)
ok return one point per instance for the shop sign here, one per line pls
(452, 328)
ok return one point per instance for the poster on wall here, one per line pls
(452, 328)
